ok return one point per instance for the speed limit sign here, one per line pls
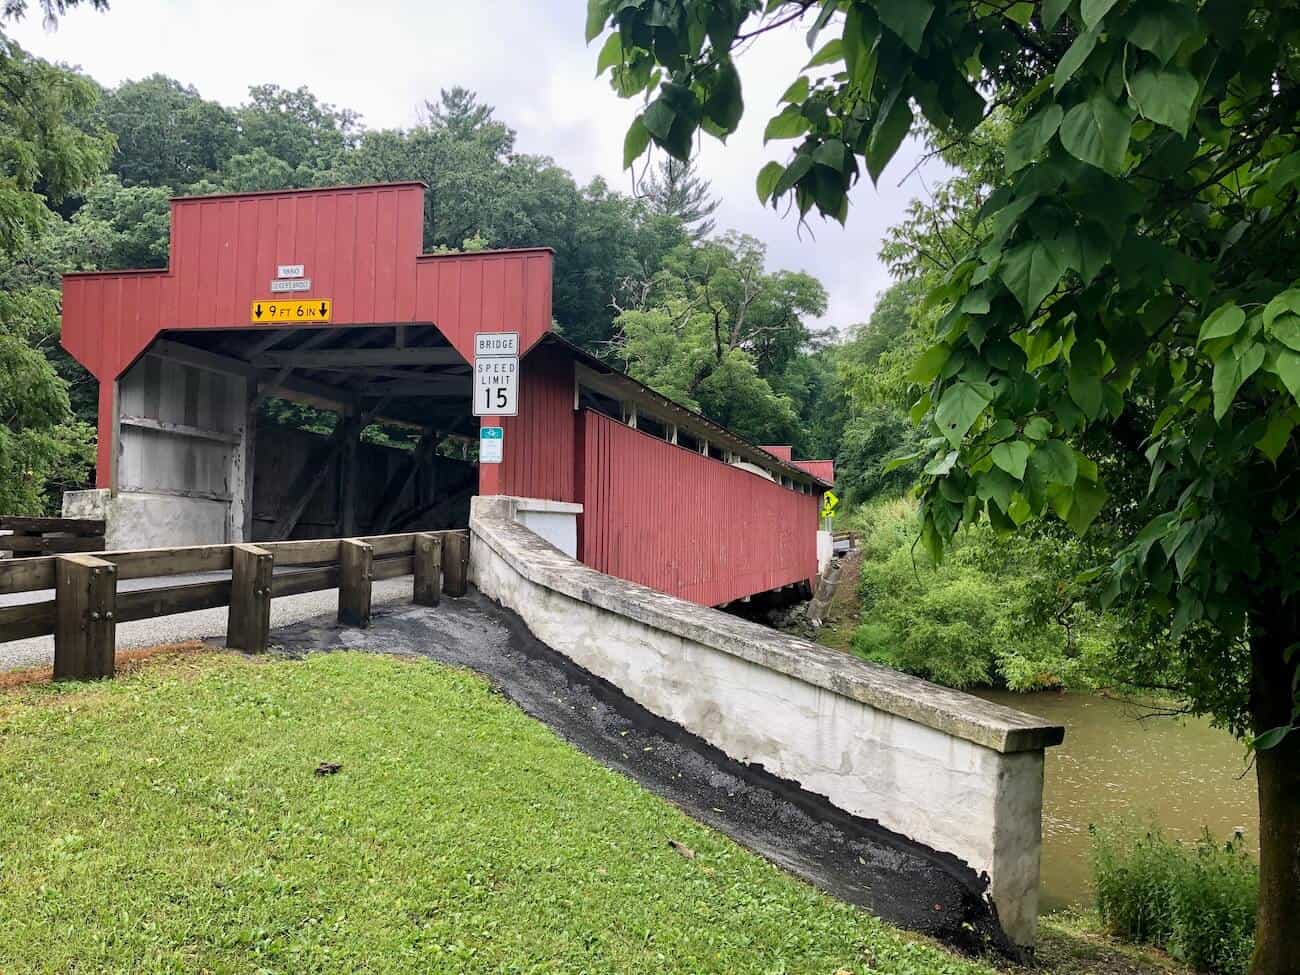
(496, 376)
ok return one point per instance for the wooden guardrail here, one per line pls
(48, 536)
(850, 537)
(87, 605)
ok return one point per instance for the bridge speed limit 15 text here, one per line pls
(496, 387)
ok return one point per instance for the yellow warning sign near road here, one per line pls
(272, 310)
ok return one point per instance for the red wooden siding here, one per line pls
(360, 247)
(686, 525)
(540, 443)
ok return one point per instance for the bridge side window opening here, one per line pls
(688, 441)
(648, 424)
(589, 399)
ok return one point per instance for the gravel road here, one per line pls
(39, 651)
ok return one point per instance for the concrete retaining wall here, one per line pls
(943, 769)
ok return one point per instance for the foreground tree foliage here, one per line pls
(1132, 281)
(45, 157)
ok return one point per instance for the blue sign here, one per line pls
(491, 444)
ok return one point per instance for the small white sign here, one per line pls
(290, 270)
(496, 344)
(491, 445)
(496, 387)
(301, 284)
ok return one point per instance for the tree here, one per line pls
(294, 127)
(714, 330)
(1133, 281)
(676, 190)
(167, 134)
(45, 156)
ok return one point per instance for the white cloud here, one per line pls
(385, 57)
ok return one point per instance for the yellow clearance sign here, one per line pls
(272, 310)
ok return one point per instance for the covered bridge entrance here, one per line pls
(322, 298)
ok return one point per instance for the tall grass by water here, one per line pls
(1196, 901)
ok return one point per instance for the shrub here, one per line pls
(1197, 902)
(997, 611)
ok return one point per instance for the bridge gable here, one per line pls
(360, 248)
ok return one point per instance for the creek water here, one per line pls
(1177, 772)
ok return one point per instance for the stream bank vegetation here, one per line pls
(1195, 901)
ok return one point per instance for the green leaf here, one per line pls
(797, 92)
(1038, 428)
(1073, 59)
(658, 118)
(1161, 28)
(832, 153)
(1086, 391)
(1286, 329)
(940, 465)
(929, 364)
(611, 53)
(595, 19)
(1287, 368)
(789, 123)
(1031, 136)
(1019, 510)
(1230, 372)
(1166, 95)
(1093, 10)
(1283, 301)
(906, 18)
(1055, 462)
(1226, 320)
(920, 408)
(724, 105)
(1012, 457)
(796, 171)
(1097, 132)
(768, 177)
(1030, 271)
(1089, 499)
(886, 136)
(832, 50)
(1271, 738)
(1276, 437)
(1053, 10)
(635, 142)
(959, 408)
(895, 463)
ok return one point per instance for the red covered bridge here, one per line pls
(323, 298)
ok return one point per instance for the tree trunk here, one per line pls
(1277, 769)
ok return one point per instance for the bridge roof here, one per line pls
(360, 248)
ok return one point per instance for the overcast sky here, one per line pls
(382, 58)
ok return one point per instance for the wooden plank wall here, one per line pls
(687, 525)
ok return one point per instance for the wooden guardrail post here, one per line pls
(85, 631)
(248, 627)
(428, 569)
(455, 563)
(355, 563)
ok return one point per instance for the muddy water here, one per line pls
(1179, 772)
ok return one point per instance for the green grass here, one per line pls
(171, 821)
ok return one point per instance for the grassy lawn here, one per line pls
(171, 821)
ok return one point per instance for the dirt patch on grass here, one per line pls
(128, 661)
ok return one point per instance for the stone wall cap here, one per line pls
(961, 715)
(550, 507)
